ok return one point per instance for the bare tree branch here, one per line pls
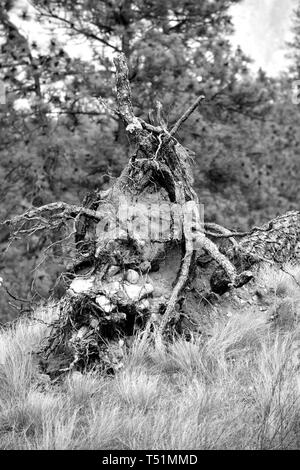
(186, 115)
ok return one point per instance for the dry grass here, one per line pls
(237, 389)
(283, 282)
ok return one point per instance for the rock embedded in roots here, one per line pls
(80, 285)
(94, 322)
(136, 292)
(105, 304)
(132, 276)
(147, 289)
(78, 335)
(115, 287)
(144, 304)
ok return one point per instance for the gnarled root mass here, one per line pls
(140, 246)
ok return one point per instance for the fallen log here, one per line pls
(277, 241)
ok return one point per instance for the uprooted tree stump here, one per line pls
(143, 254)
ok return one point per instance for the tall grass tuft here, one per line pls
(237, 388)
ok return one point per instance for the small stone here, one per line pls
(114, 287)
(81, 332)
(132, 276)
(137, 292)
(105, 304)
(94, 323)
(109, 308)
(102, 300)
(80, 285)
(144, 304)
(132, 291)
(147, 289)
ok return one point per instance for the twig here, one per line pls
(290, 274)
(14, 297)
(226, 233)
(68, 210)
(150, 128)
(159, 146)
(185, 116)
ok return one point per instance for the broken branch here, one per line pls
(186, 115)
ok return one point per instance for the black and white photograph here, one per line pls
(149, 228)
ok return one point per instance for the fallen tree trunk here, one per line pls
(141, 246)
(277, 241)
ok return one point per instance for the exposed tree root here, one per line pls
(183, 278)
(123, 277)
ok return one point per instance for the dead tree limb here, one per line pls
(186, 115)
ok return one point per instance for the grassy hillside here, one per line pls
(236, 388)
